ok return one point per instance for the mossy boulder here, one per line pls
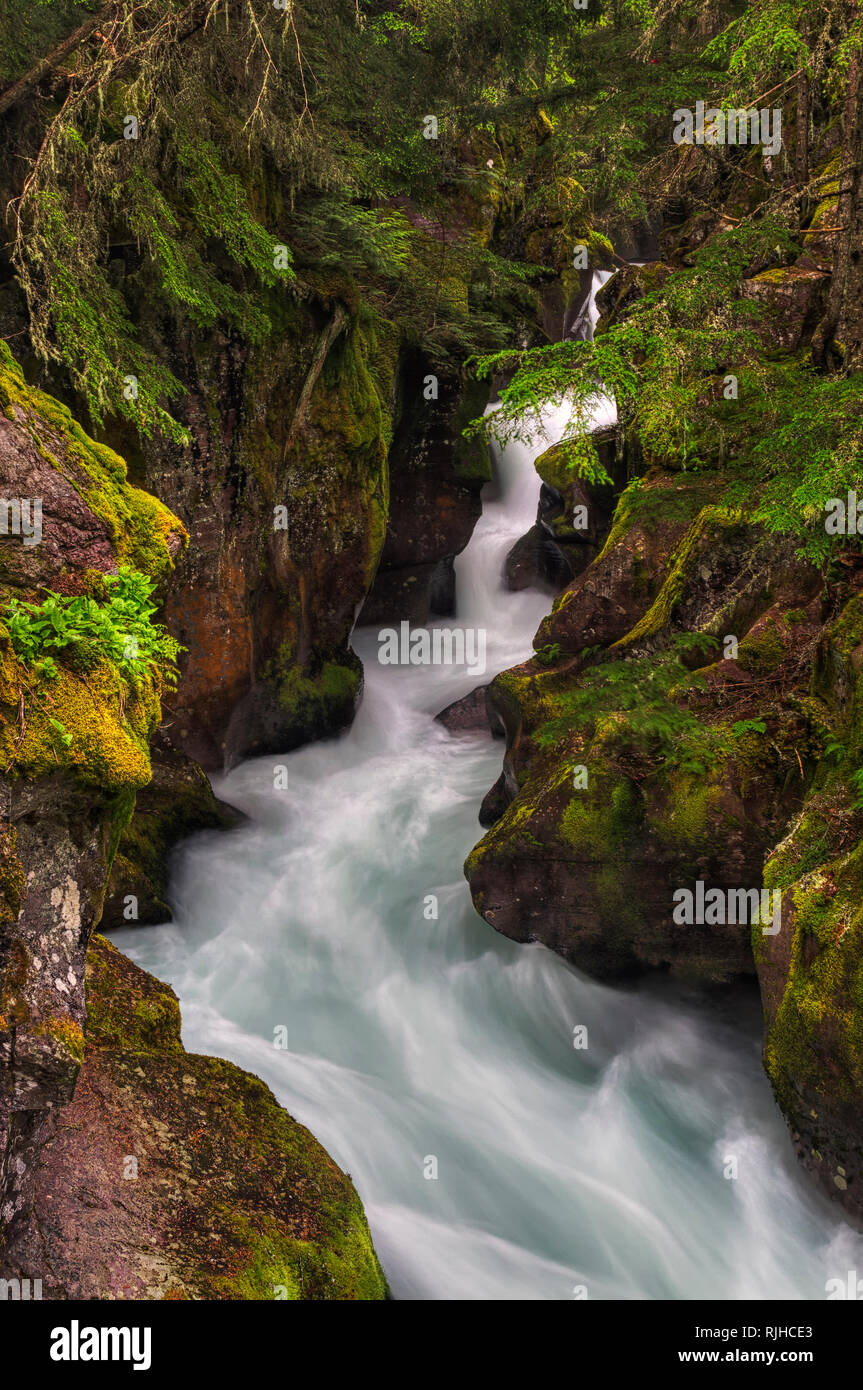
(608, 598)
(92, 518)
(557, 222)
(793, 299)
(578, 514)
(626, 287)
(177, 1176)
(673, 769)
(811, 973)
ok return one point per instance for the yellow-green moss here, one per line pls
(127, 1008)
(674, 586)
(687, 812)
(762, 652)
(65, 1031)
(816, 1039)
(828, 192)
(320, 695)
(139, 526)
(601, 820)
(110, 726)
(273, 1265)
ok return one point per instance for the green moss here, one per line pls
(318, 696)
(273, 1265)
(688, 811)
(600, 252)
(846, 633)
(779, 275)
(812, 840)
(601, 821)
(816, 1038)
(555, 468)
(127, 1008)
(342, 468)
(762, 652)
(138, 524)
(676, 580)
(472, 463)
(654, 505)
(90, 719)
(110, 726)
(828, 192)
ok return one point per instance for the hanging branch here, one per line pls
(22, 88)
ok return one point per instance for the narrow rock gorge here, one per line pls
(325, 322)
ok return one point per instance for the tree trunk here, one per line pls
(852, 304)
(189, 22)
(801, 146)
(849, 184)
(31, 79)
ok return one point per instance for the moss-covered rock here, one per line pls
(811, 973)
(74, 750)
(794, 298)
(665, 767)
(92, 517)
(176, 802)
(212, 1191)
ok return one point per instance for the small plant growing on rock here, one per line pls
(119, 629)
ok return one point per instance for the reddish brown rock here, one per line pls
(175, 1176)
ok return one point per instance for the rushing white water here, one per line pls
(413, 1038)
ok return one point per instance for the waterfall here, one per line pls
(434, 1058)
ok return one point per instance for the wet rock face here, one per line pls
(810, 977)
(60, 837)
(467, 714)
(176, 803)
(793, 301)
(536, 561)
(180, 1177)
(435, 481)
(811, 973)
(62, 806)
(284, 488)
(596, 823)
